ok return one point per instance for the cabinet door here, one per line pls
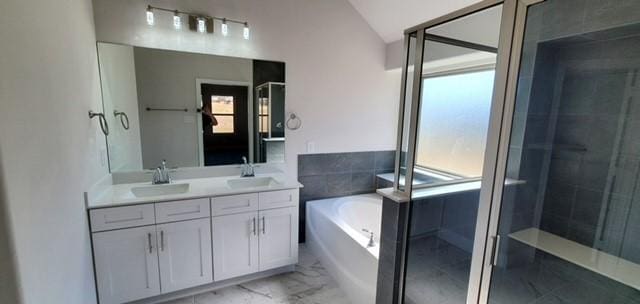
(278, 237)
(235, 245)
(184, 251)
(126, 264)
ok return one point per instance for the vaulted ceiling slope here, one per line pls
(389, 18)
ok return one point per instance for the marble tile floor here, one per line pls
(438, 273)
(308, 284)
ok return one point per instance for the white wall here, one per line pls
(480, 28)
(119, 93)
(8, 276)
(49, 148)
(168, 80)
(336, 79)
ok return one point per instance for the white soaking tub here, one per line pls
(334, 234)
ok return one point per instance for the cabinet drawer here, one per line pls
(121, 217)
(234, 204)
(278, 199)
(182, 210)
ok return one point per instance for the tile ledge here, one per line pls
(393, 195)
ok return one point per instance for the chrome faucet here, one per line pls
(246, 169)
(372, 242)
(161, 175)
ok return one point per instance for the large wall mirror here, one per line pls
(190, 109)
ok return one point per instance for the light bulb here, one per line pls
(225, 28)
(202, 25)
(177, 21)
(245, 32)
(150, 19)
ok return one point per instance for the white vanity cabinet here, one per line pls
(126, 263)
(278, 237)
(151, 249)
(170, 252)
(262, 237)
(235, 245)
(184, 251)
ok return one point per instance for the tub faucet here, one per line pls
(371, 241)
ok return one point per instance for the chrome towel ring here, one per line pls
(124, 119)
(293, 122)
(103, 122)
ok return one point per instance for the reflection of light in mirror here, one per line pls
(201, 25)
(223, 110)
(150, 19)
(225, 28)
(177, 21)
(245, 32)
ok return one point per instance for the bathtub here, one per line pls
(334, 234)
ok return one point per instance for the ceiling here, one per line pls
(389, 18)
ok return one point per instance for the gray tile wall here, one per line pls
(392, 241)
(580, 148)
(340, 174)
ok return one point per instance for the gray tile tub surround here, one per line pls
(339, 174)
(395, 216)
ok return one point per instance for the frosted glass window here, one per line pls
(454, 117)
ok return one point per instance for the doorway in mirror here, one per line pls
(224, 123)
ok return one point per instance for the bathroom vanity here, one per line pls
(154, 238)
(151, 240)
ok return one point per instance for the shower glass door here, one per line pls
(452, 90)
(568, 224)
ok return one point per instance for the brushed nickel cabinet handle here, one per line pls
(161, 240)
(150, 246)
(264, 226)
(254, 226)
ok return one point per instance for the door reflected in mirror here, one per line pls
(190, 109)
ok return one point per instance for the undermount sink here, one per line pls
(156, 190)
(250, 182)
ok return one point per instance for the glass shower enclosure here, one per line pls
(519, 147)
(269, 124)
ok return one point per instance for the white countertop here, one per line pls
(121, 195)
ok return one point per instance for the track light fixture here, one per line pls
(150, 17)
(245, 31)
(177, 21)
(197, 22)
(202, 25)
(224, 28)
